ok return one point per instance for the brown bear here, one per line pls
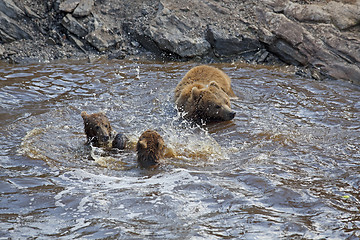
(97, 129)
(204, 94)
(150, 149)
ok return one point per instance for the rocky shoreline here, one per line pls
(320, 38)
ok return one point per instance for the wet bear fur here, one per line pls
(204, 94)
(97, 129)
(150, 149)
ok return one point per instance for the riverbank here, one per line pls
(321, 39)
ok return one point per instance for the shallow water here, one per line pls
(286, 167)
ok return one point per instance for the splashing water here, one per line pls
(285, 167)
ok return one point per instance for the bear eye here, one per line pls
(106, 126)
(97, 127)
(217, 106)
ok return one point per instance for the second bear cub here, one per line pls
(150, 149)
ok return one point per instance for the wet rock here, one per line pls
(118, 54)
(103, 38)
(83, 8)
(10, 30)
(73, 26)
(260, 56)
(227, 44)
(68, 5)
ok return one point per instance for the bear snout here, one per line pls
(232, 115)
(227, 113)
(105, 138)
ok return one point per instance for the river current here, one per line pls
(286, 167)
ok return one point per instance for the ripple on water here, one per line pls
(286, 167)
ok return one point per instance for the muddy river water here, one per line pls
(286, 167)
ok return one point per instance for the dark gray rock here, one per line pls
(77, 42)
(172, 35)
(30, 13)
(83, 8)
(287, 53)
(137, 33)
(283, 38)
(73, 26)
(9, 8)
(10, 30)
(227, 44)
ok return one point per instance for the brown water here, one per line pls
(286, 167)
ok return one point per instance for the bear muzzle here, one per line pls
(105, 139)
(102, 140)
(226, 114)
(232, 115)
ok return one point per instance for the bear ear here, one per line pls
(214, 84)
(84, 115)
(143, 143)
(195, 92)
(101, 114)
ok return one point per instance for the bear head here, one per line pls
(210, 103)
(97, 128)
(150, 149)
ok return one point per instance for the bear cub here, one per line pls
(204, 95)
(150, 149)
(97, 129)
